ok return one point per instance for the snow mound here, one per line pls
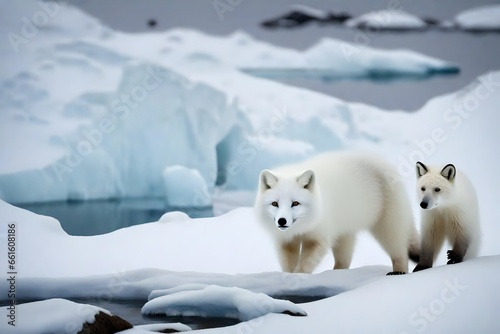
(480, 19)
(185, 287)
(387, 20)
(174, 216)
(185, 187)
(50, 316)
(216, 301)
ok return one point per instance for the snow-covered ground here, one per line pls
(480, 19)
(103, 116)
(50, 264)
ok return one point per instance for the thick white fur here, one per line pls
(452, 214)
(348, 192)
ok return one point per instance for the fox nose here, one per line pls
(424, 205)
(282, 222)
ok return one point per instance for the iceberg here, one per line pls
(146, 102)
(387, 20)
(185, 187)
(486, 18)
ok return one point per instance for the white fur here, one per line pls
(346, 193)
(451, 213)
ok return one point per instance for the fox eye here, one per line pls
(295, 203)
(275, 204)
(437, 189)
(423, 188)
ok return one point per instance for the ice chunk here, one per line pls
(388, 20)
(185, 187)
(216, 301)
(480, 19)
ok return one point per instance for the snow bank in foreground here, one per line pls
(436, 300)
(480, 18)
(387, 20)
(461, 298)
(216, 301)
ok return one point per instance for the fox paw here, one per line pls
(454, 257)
(396, 273)
(421, 267)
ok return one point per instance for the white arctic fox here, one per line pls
(325, 201)
(449, 209)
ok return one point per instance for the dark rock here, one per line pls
(105, 324)
(152, 23)
(297, 18)
(337, 17)
(430, 21)
(290, 20)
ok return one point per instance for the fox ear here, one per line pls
(307, 179)
(421, 169)
(449, 172)
(267, 179)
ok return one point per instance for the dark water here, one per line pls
(103, 216)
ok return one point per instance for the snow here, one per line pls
(480, 18)
(185, 187)
(50, 316)
(387, 19)
(216, 301)
(142, 101)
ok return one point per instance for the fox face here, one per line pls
(434, 188)
(287, 200)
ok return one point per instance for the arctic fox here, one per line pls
(449, 209)
(325, 201)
